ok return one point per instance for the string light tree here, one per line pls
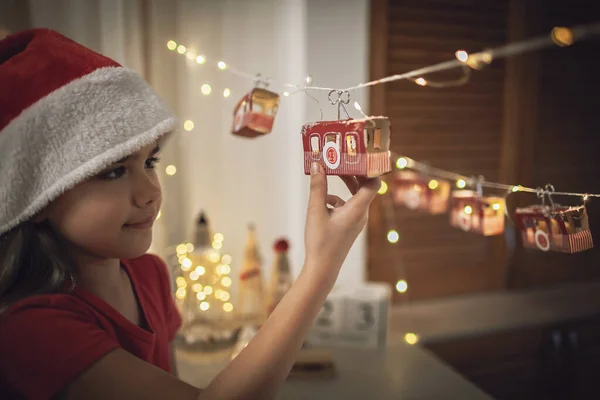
(202, 294)
(251, 296)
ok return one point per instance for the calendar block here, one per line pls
(354, 316)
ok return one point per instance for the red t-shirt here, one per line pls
(46, 341)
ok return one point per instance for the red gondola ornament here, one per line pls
(359, 147)
(554, 228)
(254, 114)
(471, 211)
(420, 192)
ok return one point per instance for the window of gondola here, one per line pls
(314, 146)
(377, 139)
(351, 143)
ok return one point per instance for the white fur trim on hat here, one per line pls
(72, 134)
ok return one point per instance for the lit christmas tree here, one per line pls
(203, 284)
(281, 275)
(250, 305)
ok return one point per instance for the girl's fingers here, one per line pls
(351, 182)
(335, 201)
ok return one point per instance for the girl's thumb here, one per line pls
(318, 187)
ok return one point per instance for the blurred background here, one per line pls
(513, 322)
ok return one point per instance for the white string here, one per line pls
(557, 37)
(441, 173)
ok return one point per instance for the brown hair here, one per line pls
(32, 262)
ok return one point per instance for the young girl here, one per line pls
(84, 312)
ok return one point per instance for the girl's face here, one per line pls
(111, 215)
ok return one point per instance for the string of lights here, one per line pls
(463, 181)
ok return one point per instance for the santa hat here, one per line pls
(66, 113)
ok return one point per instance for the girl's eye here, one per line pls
(151, 162)
(114, 173)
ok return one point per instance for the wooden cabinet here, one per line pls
(552, 362)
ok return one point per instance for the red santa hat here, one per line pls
(66, 113)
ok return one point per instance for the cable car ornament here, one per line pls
(554, 227)
(254, 114)
(359, 147)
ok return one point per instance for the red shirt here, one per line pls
(46, 341)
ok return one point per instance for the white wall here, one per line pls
(235, 180)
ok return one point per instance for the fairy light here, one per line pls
(190, 55)
(433, 184)
(309, 80)
(401, 163)
(562, 36)
(208, 290)
(462, 56)
(197, 287)
(204, 306)
(200, 59)
(516, 188)
(214, 257)
(180, 281)
(586, 197)
(286, 94)
(226, 269)
(171, 45)
(222, 66)
(180, 249)
(188, 125)
(225, 296)
(226, 281)
(393, 236)
(383, 188)
(181, 49)
(468, 210)
(186, 264)
(218, 237)
(217, 245)
(226, 259)
(226, 92)
(401, 286)
(171, 170)
(206, 89)
(180, 293)
(200, 270)
(357, 106)
(189, 247)
(194, 276)
(411, 338)
(496, 206)
(228, 307)
(200, 296)
(421, 81)
(461, 184)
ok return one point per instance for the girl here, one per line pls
(84, 313)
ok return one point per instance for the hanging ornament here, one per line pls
(254, 114)
(471, 211)
(359, 147)
(420, 192)
(554, 227)
(251, 298)
(281, 276)
(202, 294)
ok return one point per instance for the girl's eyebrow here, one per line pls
(153, 152)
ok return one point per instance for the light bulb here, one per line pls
(421, 81)
(226, 259)
(181, 282)
(433, 184)
(205, 89)
(226, 92)
(401, 286)
(496, 206)
(188, 125)
(200, 270)
(222, 66)
(200, 59)
(204, 306)
(171, 170)
(468, 210)
(171, 45)
(181, 49)
(228, 307)
(180, 293)
(286, 94)
(189, 247)
(226, 281)
(181, 249)
(411, 338)
(383, 189)
(461, 183)
(401, 163)
(462, 56)
(393, 236)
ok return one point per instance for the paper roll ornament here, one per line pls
(281, 275)
(558, 228)
(359, 147)
(476, 213)
(254, 114)
(421, 192)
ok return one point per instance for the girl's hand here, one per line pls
(330, 232)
